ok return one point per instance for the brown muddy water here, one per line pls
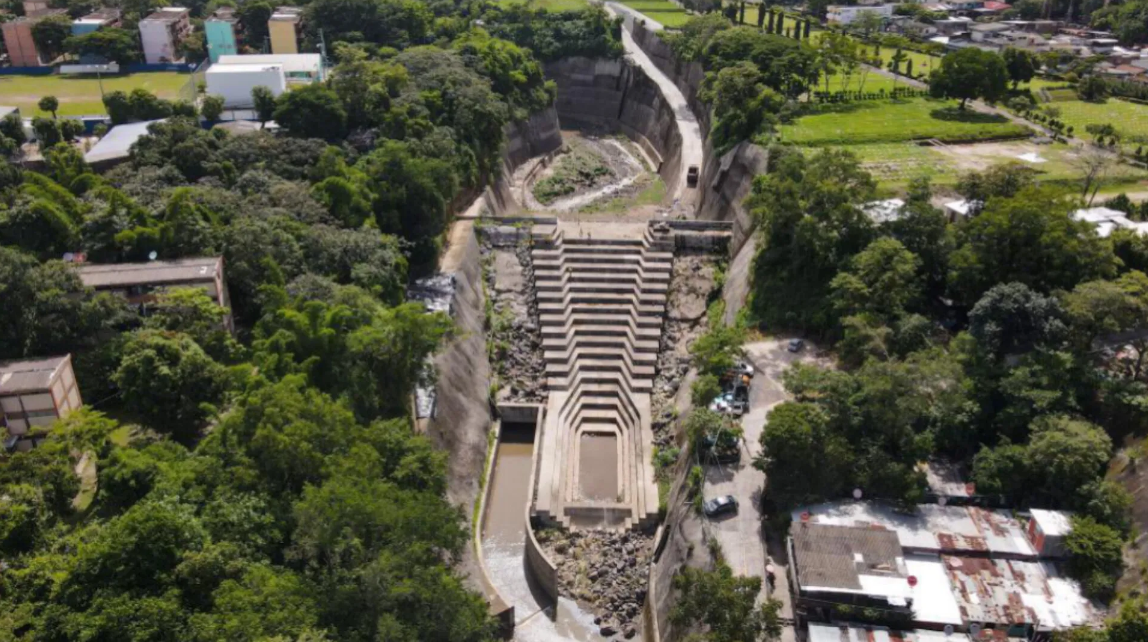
(598, 466)
(504, 548)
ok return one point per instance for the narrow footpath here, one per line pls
(692, 148)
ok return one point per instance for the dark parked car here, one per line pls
(796, 345)
(720, 506)
(692, 176)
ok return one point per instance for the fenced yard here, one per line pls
(80, 95)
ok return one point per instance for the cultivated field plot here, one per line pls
(887, 121)
(80, 96)
(895, 164)
(663, 11)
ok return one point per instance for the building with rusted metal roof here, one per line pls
(140, 282)
(931, 528)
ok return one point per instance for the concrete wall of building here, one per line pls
(20, 45)
(615, 94)
(220, 36)
(158, 42)
(284, 36)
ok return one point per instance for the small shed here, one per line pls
(1047, 531)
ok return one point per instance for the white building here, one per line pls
(162, 32)
(235, 82)
(301, 68)
(115, 147)
(1108, 221)
(843, 15)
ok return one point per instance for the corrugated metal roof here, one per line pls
(118, 141)
(835, 557)
(933, 528)
(117, 275)
(1010, 592)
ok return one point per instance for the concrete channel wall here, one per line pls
(525, 139)
(617, 95)
(538, 563)
(725, 183)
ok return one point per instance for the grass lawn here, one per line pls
(663, 11)
(80, 96)
(887, 121)
(550, 5)
(1129, 119)
(895, 164)
(874, 82)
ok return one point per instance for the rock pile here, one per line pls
(515, 336)
(606, 571)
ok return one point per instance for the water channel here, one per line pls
(504, 548)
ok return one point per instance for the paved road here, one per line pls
(740, 535)
(692, 148)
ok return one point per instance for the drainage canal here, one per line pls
(504, 547)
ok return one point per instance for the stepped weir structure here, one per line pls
(601, 296)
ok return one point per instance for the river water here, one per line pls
(504, 548)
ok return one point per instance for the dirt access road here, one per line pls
(741, 536)
(692, 149)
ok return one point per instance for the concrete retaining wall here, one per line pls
(725, 183)
(544, 570)
(526, 139)
(502, 610)
(617, 95)
(688, 76)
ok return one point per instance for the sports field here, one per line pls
(663, 11)
(80, 96)
(886, 121)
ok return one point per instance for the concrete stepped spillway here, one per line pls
(602, 293)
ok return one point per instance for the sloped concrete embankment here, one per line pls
(461, 419)
(618, 95)
(536, 136)
(687, 76)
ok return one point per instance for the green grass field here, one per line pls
(550, 5)
(895, 164)
(890, 122)
(1129, 119)
(663, 11)
(81, 96)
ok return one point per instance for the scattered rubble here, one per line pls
(690, 287)
(515, 337)
(605, 571)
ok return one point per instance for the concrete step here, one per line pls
(565, 341)
(574, 353)
(600, 325)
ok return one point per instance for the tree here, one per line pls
(1092, 88)
(1031, 239)
(1093, 164)
(212, 108)
(704, 390)
(47, 132)
(1095, 556)
(118, 107)
(112, 44)
(312, 111)
(1065, 455)
(867, 22)
(803, 459)
(170, 381)
(1011, 318)
(12, 127)
(49, 104)
(742, 104)
(1002, 180)
(882, 280)
(253, 17)
(264, 102)
(49, 35)
(722, 606)
(970, 73)
(1021, 65)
